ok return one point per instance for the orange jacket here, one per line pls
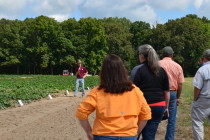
(116, 114)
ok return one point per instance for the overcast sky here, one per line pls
(151, 11)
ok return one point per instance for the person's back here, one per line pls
(204, 72)
(152, 86)
(121, 109)
(115, 111)
(153, 81)
(201, 103)
(174, 71)
(176, 78)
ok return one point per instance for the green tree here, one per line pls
(141, 31)
(11, 43)
(94, 43)
(118, 38)
(188, 36)
(41, 42)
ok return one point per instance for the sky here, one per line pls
(150, 11)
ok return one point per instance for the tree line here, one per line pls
(42, 45)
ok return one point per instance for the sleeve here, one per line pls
(87, 106)
(134, 72)
(76, 69)
(85, 70)
(165, 80)
(145, 111)
(132, 75)
(198, 80)
(181, 76)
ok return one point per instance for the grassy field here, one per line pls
(34, 87)
(184, 127)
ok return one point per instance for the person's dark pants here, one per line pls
(149, 131)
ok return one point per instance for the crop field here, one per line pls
(30, 88)
(34, 87)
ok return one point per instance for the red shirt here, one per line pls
(82, 70)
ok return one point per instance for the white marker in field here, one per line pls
(67, 92)
(20, 103)
(50, 97)
(88, 88)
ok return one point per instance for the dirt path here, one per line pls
(46, 120)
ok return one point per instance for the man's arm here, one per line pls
(179, 91)
(85, 74)
(77, 71)
(196, 93)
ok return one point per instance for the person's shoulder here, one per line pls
(163, 71)
(136, 89)
(84, 67)
(176, 65)
(203, 68)
(94, 90)
(138, 66)
(162, 60)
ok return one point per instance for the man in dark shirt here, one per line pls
(81, 73)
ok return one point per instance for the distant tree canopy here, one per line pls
(42, 45)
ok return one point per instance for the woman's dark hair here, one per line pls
(114, 76)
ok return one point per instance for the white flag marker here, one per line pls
(50, 97)
(20, 103)
(67, 92)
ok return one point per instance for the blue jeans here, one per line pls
(113, 138)
(149, 131)
(170, 132)
(78, 81)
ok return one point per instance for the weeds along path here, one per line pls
(47, 120)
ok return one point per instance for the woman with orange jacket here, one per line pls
(121, 109)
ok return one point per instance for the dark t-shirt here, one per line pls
(152, 86)
(81, 72)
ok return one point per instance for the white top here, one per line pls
(202, 80)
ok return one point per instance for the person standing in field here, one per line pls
(81, 73)
(201, 104)
(153, 81)
(121, 109)
(176, 78)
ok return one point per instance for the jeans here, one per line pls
(170, 132)
(113, 138)
(78, 81)
(149, 131)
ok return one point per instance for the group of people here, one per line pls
(130, 108)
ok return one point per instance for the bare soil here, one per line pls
(49, 120)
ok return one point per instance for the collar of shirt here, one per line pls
(206, 63)
(167, 58)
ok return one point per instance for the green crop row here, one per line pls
(34, 87)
